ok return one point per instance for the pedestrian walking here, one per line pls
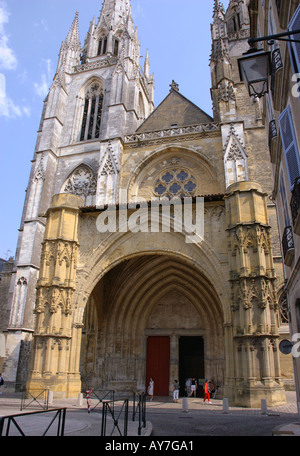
(175, 391)
(193, 387)
(151, 388)
(206, 392)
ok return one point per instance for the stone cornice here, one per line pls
(173, 134)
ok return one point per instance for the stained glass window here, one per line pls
(177, 182)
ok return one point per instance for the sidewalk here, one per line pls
(81, 423)
(78, 420)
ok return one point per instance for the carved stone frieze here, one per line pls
(93, 65)
(226, 92)
(171, 132)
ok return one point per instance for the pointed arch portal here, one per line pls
(134, 321)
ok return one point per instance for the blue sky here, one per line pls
(176, 33)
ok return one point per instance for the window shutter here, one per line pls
(295, 25)
(289, 143)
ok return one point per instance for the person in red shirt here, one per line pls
(206, 392)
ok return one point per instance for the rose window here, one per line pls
(175, 182)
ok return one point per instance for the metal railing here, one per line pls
(118, 411)
(295, 201)
(11, 423)
(110, 410)
(41, 398)
(139, 408)
(100, 396)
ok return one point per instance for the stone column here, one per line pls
(174, 359)
(253, 299)
(54, 305)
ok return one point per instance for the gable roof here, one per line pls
(174, 110)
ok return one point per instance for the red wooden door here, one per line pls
(158, 364)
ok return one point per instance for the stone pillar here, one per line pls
(51, 361)
(254, 372)
(174, 359)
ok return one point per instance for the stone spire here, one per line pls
(115, 14)
(147, 65)
(218, 9)
(72, 40)
(218, 27)
(69, 51)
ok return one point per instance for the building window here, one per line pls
(290, 146)
(92, 113)
(175, 183)
(284, 202)
(115, 46)
(102, 47)
(234, 24)
(295, 47)
(283, 309)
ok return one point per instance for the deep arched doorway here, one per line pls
(149, 298)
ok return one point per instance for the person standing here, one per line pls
(193, 387)
(151, 388)
(206, 392)
(175, 391)
(188, 387)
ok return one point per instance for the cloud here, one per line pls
(42, 87)
(10, 110)
(8, 60)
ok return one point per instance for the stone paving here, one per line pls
(163, 418)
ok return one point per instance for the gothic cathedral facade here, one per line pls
(92, 306)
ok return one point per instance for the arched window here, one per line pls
(102, 46)
(234, 24)
(141, 112)
(283, 309)
(115, 46)
(90, 128)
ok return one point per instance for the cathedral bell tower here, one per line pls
(98, 95)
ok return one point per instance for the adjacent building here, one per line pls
(282, 119)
